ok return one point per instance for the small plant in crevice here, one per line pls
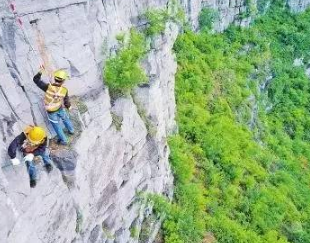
(134, 232)
(123, 71)
(147, 227)
(81, 106)
(117, 121)
(108, 234)
(157, 18)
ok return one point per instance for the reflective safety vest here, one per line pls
(54, 96)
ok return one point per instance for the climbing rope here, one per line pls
(44, 53)
(47, 66)
(19, 22)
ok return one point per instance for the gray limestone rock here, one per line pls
(298, 5)
(92, 195)
(92, 182)
(227, 11)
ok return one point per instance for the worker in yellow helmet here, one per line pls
(32, 142)
(55, 100)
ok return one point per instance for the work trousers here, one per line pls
(55, 119)
(32, 171)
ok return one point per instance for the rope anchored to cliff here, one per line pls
(42, 48)
(19, 22)
(45, 64)
(56, 106)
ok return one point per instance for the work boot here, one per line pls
(48, 168)
(62, 142)
(33, 183)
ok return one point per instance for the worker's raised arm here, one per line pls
(15, 144)
(39, 82)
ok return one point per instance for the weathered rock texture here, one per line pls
(298, 5)
(227, 11)
(96, 199)
(239, 12)
(121, 146)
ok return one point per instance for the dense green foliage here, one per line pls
(241, 159)
(157, 19)
(123, 71)
(206, 18)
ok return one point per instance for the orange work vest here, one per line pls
(54, 96)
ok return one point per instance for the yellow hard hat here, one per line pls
(61, 75)
(36, 135)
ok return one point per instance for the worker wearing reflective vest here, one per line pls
(32, 142)
(56, 98)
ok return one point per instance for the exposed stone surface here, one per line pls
(239, 12)
(227, 11)
(92, 196)
(298, 5)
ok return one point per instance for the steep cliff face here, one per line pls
(298, 5)
(115, 159)
(120, 148)
(227, 11)
(239, 12)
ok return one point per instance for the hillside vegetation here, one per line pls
(241, 158)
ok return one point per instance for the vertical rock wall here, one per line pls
(227, 11)
(121, 148)
(117, 157)
(298, 5)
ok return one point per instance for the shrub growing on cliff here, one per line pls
(123, 71)
(157, 19)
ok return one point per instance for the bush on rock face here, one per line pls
(123, 71)
(156, 19)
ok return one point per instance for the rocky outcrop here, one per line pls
(239, 12)
(92, 194)
(95, 192)
(298, 5)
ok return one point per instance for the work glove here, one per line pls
(15, 161)
(42, 69)
(29, 157)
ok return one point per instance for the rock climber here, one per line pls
(56, 98)
(32, 142)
